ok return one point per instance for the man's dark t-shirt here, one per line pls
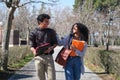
(38, 36)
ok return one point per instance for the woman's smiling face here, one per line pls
(75, 29)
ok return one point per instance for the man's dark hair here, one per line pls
(41, 17)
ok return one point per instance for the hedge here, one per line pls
(108, 60)
(17, 53)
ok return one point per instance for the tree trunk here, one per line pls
(28, 31)
(108, 37)
(6, 36)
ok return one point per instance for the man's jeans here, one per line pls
(73, 68)
(45, 64)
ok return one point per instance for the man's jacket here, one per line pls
(38, 36)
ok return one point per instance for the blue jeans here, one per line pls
(73, 68)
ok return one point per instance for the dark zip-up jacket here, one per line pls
(38, 36)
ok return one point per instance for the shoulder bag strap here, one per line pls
(69, 41)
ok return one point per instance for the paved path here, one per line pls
(28, 72)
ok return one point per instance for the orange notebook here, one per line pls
(78, 44)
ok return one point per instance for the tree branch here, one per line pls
(54, 0)
(35, 2)
(2, 1)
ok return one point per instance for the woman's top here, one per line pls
(79, 51)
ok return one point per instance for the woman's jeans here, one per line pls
(73, 68)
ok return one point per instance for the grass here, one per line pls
(18, 57)
(99, 71)
(90, 63)
(22, 62)
(4, 75)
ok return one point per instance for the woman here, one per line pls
(77, 43)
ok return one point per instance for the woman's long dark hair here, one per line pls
(83, 30)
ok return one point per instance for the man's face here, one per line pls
(45, 23)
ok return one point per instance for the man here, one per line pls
(44, 62)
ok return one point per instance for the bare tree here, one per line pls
(103, 27)
(22, 22)
(63, 20)
(12, 5)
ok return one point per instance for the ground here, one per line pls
(4, 75)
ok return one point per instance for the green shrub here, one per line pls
(92, 55)
(96, 44)
(108, 60)
(17, 53)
